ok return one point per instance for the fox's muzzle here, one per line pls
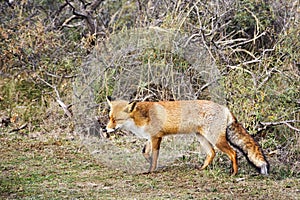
(109, 130)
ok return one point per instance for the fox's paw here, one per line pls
(264, 169)
(146, 173)
(199, 167)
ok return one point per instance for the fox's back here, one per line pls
(186, 116)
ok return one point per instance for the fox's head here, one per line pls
(119, 114)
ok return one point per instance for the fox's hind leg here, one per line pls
(210, 152)
(146, 151)
(223, 145)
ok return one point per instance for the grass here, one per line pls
(46, 167)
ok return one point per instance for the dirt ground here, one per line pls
(44, 167)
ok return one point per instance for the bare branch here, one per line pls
(269, 75)
(58, 99)
(266, 125)
(246, 70)
(95, 4)
(67, 21)
(64, 107)
(63, 76)
(248, 41)
(85, 14)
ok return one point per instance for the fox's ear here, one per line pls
(109, 99)
(130, 107)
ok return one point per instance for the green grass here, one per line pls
(61, 168)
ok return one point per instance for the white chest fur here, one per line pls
(137, 130)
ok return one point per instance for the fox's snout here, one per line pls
(108, 130)
(111, 127)
(104, 129)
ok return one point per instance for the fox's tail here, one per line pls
(239, 138)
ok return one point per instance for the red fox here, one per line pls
(214, 125)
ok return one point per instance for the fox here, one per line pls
(214, 125)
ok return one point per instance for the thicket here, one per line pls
(254, 44)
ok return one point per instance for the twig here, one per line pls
(84, 13)
(247, 41)
(63, 76)
(269, 75)
(19, 128)
(256, 20)
(203, 87)
(246, 70)
(58, 99)
(67, 21)
(287, 123)
(64, 107)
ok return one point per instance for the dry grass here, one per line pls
(43, 167)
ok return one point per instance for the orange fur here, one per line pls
(214, 125)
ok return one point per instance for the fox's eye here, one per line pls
(112, 119)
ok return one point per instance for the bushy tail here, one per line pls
(240, 139)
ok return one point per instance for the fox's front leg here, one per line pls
(155, 144)
(146, 151)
